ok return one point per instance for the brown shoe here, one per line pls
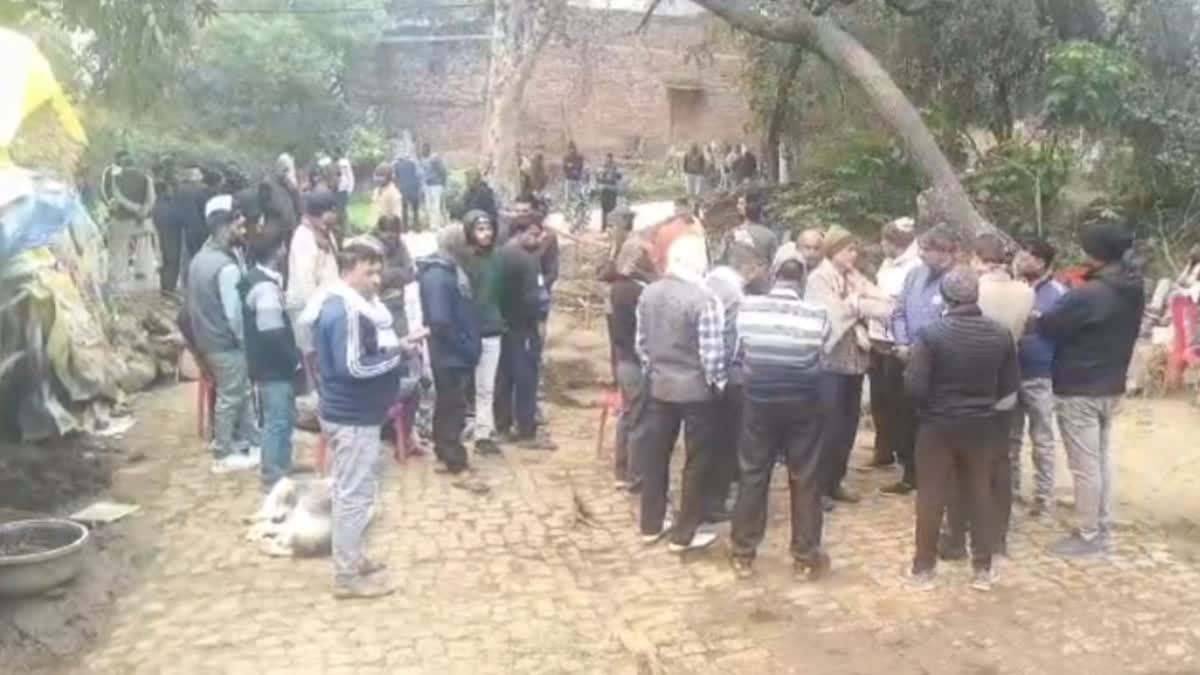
(812, 568)
(362, 588)
(842, 494)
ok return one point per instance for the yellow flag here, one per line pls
(29, 84)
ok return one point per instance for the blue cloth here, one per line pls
(1036, 351)
(920, 304)
(279, 419)
(39, 216)
(358, 381)
(453, 321)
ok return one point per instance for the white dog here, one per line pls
(295, 519)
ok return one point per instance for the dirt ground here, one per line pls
(544, 574)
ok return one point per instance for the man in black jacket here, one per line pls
(962, 371)
(1094, 328)
(520, 304)
(271, 352)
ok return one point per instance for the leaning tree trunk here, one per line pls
(783, 94)
(945, 199)
(520, 28)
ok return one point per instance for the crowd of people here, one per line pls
(759, 351)
(280, 308)
(755, 349)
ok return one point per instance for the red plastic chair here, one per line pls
(206, 395)
(1183, 320)
(612, 406)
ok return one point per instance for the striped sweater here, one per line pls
(780, 345)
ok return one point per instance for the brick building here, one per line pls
(606, 86)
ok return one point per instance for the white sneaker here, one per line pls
(653, 538)
(699, 540)
(233, 462)
(255, 455)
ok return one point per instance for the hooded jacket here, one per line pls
(449, 314)
(1094, 328)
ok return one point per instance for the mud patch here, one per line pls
(53, 475)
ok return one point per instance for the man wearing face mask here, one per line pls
(215, 315)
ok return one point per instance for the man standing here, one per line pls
(681, 344)
(920, 304)
(781, 345)
(434, 172)
(744, 270)
(312, 260)
(750, 232)
(1008, 302)
(454, 346)
(215, 313)
(520, 352)
(480, 197)
(609, 182)
(360, 359)
(960, 368)
(850, 300)
(129, 194)
(345, 186)
(694, 167)
(633, 270)
(485, 273)
(180, 224)
(408, 180)
(572, 175)
(1035, 401)
(1093, 328)
(895, 419)
(271, 353)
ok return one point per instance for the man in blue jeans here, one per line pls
(520, 306)
(271, 353)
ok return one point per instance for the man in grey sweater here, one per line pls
(214, 309)
(680, 342)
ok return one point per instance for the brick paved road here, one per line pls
(516, 581)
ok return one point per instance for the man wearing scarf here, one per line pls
(681, 345)
(1094, 328)
(360, 359)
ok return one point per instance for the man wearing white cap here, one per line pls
(215, 313)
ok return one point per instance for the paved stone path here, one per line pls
(545, 574)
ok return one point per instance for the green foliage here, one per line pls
(1088, 85)
(1018, 182)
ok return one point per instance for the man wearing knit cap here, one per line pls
(851, 300)
(961, 368)
(1093, 328)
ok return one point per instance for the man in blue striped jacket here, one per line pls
(780, 345)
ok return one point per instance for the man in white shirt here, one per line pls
(345, 186)
(312, 261)
(892, 412)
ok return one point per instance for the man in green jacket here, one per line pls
(483, 268)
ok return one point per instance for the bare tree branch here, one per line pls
(648, 15)
(946, 199)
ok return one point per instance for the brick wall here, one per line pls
(611, 92)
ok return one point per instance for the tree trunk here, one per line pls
(945, 199)
(520, 28)
(783, 93)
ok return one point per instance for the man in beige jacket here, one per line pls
(850, 299)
